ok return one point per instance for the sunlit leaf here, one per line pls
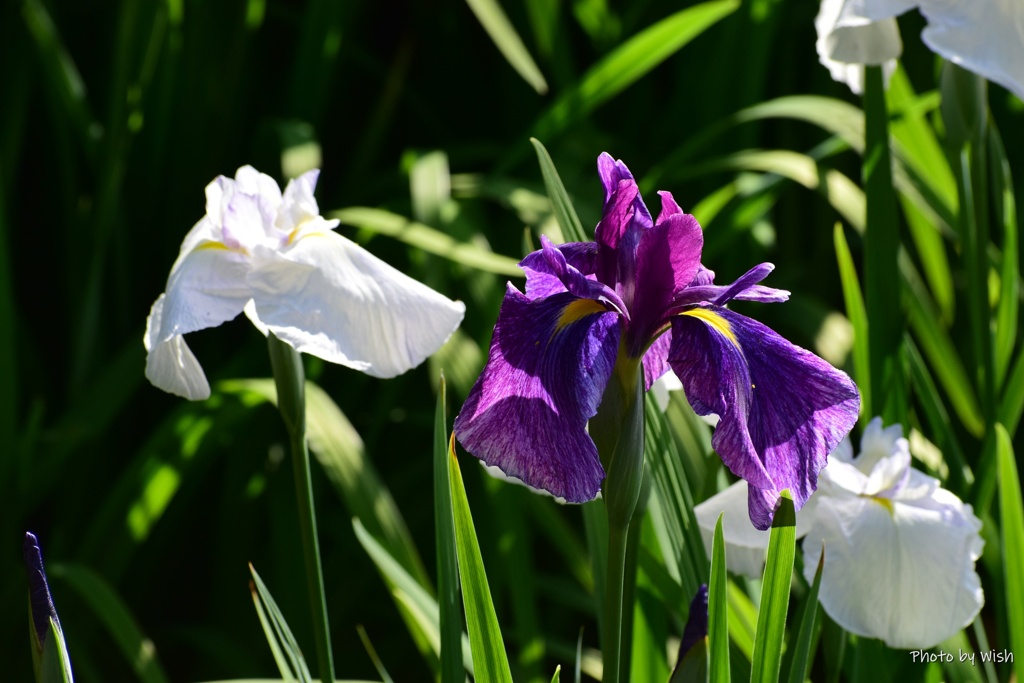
(503, 33)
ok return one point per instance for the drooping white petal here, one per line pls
(901, 571)
(328, 297)
(849, 39)
(170, 364)
(206, 289)
(745, 546)
(984, 37)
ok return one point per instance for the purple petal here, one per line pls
(554, 263)
(656, 359)
(40, 602)
(696, 622)
(782, 409)
(549, 363)
(541, 282)
(667, 259)
(612, 173)
(704, 276)
(745, 289)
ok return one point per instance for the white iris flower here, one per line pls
(899, 549)
(274, 257)
(983, 36)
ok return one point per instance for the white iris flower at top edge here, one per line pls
(899, 549)
(982, 36)
(274, 257)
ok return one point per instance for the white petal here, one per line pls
(902, 572)
(847, 41)
(298, 203)
(170, 364)
(664, 384)
(876, 10)
(328, 297)
(984, 37)
(206, 289)
(745, 546)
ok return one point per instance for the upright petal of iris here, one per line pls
(273, 256)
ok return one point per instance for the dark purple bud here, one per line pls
(39, 591)
(697, 622)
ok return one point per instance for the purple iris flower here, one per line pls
(639, 295)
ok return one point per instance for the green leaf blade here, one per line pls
(489, 657)
(1011, 510)
(565, 213)
(718, 610)
(778, 573)
(448, 597)
(494, 20)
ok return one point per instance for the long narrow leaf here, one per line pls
(565, 213)
(110, 611)
(428, 239)
(778, 574)
(629, 62)
(447, 559)
(1011, 510)
(858, 316)
(801, 664)
(280, 637)
(503, 33)
(718, 611)
(1009, 274)
(489, 657)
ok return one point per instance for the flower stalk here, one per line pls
(622, 490)
(289, 377)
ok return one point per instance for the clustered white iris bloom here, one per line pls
(899, 549)
(276, 258)
(983, 36)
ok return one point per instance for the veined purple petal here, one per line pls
(572, 280)
(613, 172)
(549, 363)
(696, 622)
(745, 289)
(541, 282)
(667, 259)
(656, 359)
(782, 409)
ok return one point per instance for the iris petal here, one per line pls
(541, 281)
(782, 409)
(331, 298)
(902, 572)
(544, 378)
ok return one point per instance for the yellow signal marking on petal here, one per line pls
(717, 322)
(210, 244)
(884, 502)
(578, 310)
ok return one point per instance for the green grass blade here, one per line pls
(881, 246)
(799, 668)
(280, 637)
(503, 33)
(448, 595)
(1012, 405)
(558, 674)
(629, 62)
(138, 650)
(371, 652)
(778, 573)
(283, 665)
(54, 664)
(718, 611)
(938, 348)
(489, 658)
(1008, 310)
(428, 239)
(565, 213)
(858, 316)
(340, 451)
(422, 609)
(1011, 510)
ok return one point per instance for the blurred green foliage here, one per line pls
(116, 114)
